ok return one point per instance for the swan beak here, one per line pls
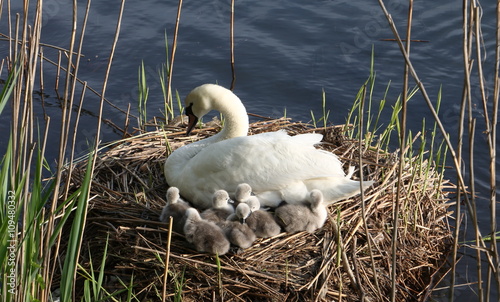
(193, 119)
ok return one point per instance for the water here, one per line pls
(287, 52)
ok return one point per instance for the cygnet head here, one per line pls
(192, 214)
(316, 198)
(254, 203)
(242, 212)
(172, 195)
(220, 199)
(243, 192)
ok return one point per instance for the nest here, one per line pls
(349, 259)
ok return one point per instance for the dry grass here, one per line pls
(334, 263)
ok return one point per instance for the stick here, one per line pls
(402, 139)
(172, 56)
(167, 259)
(231, 38)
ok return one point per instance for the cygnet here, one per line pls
(205, 235)
(243, 192)
(241, 213)
(261, 222)
(297, 218)
(176, 208)
(220, 209)
(239, 233)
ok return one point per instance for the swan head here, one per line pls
(207, 97)
(198, 103)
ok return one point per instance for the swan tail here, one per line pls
(344, 189)
(350, 172)
(308, 139)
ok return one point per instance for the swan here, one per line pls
(296, 218)
(205, 235)
(277, 166)
(176, 208)
(220, 209)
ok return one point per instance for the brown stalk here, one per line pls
(73, 87)
(466, 95)
(231, 38)
(472, 129)
(362, 195)
(492, 148)
(402, 138)
(172, 56)
(167, 259)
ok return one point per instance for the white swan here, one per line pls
(277, 166)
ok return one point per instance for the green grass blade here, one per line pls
(143, 96)
(9, 85)
(179, 103)
(75, 237)
(100, 279)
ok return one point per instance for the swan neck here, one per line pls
(235, 117)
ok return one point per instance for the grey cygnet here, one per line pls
(220, 209)
(296, 218)
(261, 222)
(205, 235)
(176, 208)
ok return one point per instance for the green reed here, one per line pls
(142, 97)
(40, 208)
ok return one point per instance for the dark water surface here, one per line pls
(287, 52)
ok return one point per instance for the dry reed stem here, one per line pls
(130, 189)
(231, 45)
(172, 55)
(167, 258)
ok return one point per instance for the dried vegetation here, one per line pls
(343, 261)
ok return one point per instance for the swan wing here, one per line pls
(275, 165)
